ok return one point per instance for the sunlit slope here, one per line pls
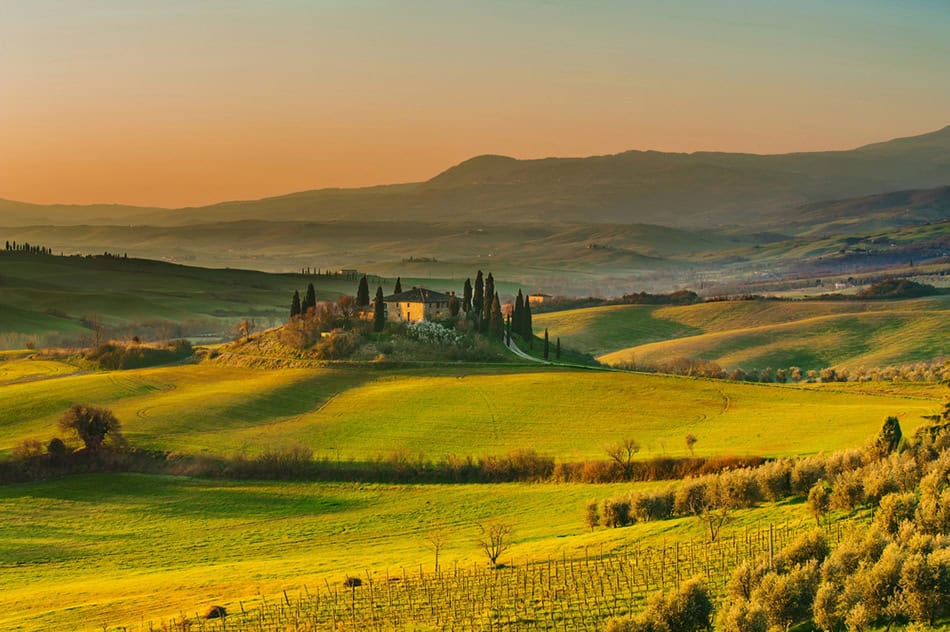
(16, 367)
(366, 413)
(101, 551)
(762, 333)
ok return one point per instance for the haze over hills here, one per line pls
(700, 189)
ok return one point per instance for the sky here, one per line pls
(191, 102)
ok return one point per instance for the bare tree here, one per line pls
(243, 329)
(622, 453)
(94, 322)
(347, 307)
(495, 539)
(690, 442)
(436, 539)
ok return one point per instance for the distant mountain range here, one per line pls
(702, 189)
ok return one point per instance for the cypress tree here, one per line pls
(295, 305)
(398, 288)
(508, 331)
(497, 321)
(546, 343)
(489, 296)
(517, 318)
(528, 331)
(310, 302)
(466, 296)
(557, 349)
(379, 311)
(454, 306)
(478, 296)
(362, 293)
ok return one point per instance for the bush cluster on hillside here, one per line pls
(842, 480)
(895, 573)
(898, 288)
(115, 356)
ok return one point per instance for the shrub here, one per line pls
(807, 547)
(740, 488)
(826, 609)
(744, 579)
(690, 496)
(925, 586)
(848, 491)
(806, 473)
(654, 505)
(56, 450)
(28, 449)
(689, 609)
(592, 515)
(93, 425)
(819, 500)
(880, 582)
(775, 479)
(742, 616)
(337, 345)
(857, 619)
(433, 333)
(787, 599)
(616, 512)
(895, 509)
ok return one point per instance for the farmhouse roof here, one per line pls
(417, 295)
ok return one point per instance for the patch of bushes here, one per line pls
(115, 356)
(897, 288)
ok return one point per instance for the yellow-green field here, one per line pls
(97, 551)
(107, 550)
(363, 413)
(759, 334)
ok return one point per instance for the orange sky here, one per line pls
(182, 103)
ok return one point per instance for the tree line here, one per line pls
(33, 249)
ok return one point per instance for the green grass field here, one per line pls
(99, 551)
(365, 413)
(759, 334)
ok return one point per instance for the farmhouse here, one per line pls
(417, 304)
(538, 299)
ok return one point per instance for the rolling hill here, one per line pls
(698, 189)
(366, 412)
(50, 300)
(760, 334)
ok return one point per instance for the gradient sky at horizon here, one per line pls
(187, 102)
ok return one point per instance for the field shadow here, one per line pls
(169, 496)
